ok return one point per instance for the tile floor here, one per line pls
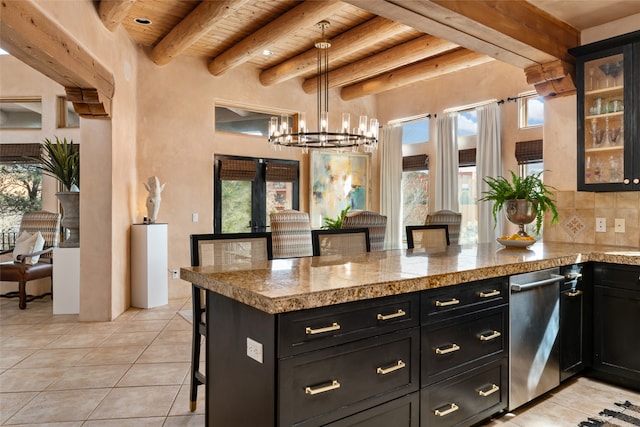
(56, 371)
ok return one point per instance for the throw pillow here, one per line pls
(28, 243)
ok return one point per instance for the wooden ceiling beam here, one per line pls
(199, 22)
(425, 69)
(112, 12)
(345, 44)
(392, 58)
(305, 15)
(512, 31)
(32, 37)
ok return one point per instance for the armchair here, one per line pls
(376, 223)
(21, 269)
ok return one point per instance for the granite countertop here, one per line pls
(285, 285)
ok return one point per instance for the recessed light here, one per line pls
(267, 52)
(142, 21)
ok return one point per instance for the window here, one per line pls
(67, 116)
(467, 195)
(415, 131)
(240, 120)
(531, 109)
(415, 189)
(20, 113)
(467, 123)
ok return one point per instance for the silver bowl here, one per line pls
(519, 212)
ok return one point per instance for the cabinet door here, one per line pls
(607, 86)
(576, 316)
(617, 337)
(403, 412)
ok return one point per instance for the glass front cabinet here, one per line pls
(608, 86)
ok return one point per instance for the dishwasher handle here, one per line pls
(518, 287)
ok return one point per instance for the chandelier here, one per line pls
(364, 136)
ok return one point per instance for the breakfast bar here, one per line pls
(345, 341)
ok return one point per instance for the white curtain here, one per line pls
(446, 182)
(488, 163)
(391, 184)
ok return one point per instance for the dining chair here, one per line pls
(447, 217)
(30, 262)
(291, 234)
(427, 236)
(376, 223)
(218, 249)
(340, 242)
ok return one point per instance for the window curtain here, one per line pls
(488, 163)
(391, 184)
(446, 182)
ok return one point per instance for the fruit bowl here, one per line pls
(516, 242)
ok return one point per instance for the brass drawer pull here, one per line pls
(334, 385)
(490, 336)
(492, 390)
(574, 293)
(334, 327)
(454, 347)
(489, 294)
(452, 301)
(398, 313)
(384, 371)
(452, 408)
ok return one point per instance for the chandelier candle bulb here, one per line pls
(346, 122)
(302, 122)
(273, 126)
(363, 125)
(324, 121)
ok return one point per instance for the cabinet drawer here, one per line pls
(323, 327)
(442, 303)
(617, 276)
(402, 412)
(467, 398)
(338, 378)
(449, 347)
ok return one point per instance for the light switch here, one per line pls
(194, 217)
(619, 225)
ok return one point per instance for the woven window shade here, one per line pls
(467, 157)
(529, 151)
(19, 153)
(281, 172)
(419, 162)
(237, 170)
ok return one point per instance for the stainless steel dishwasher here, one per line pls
(534, 318)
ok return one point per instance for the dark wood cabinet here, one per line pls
(616, 320)
(402, 412)
(576, 315)
(608, 87)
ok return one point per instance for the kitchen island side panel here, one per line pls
(240, 389)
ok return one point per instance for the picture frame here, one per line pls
(337, 180)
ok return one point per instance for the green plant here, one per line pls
(334, 224)
(529, 188)
(61, 160)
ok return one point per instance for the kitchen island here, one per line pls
(289, 341)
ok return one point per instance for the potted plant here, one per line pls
(524, 199)
(335, 224)
(61, 160)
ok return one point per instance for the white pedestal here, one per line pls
(149, 265)
(66, 281)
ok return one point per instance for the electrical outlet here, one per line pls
(175, 274)
(601, 225)
(619, 225)
(254, 350)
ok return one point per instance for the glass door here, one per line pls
(604, 134)
(247, 190)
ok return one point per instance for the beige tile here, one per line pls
(33, 379)
(584, 200)
(11, 356)
(179, 324)
(174, 337)
(136, 402)
(57, 406)
(185, 421)
(605, 200)
(183, 401)
(128, 422)
(82, 340)
(158, 314)
(112, 355)
(157, 353)
(54, 357)
(129, 339)
(81, 377)
(28, 341)
(546, 413)
(627, 200)
(565, 199)
(10, 403)
(142, 326)
(143, 374)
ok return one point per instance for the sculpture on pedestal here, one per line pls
(153, 199)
